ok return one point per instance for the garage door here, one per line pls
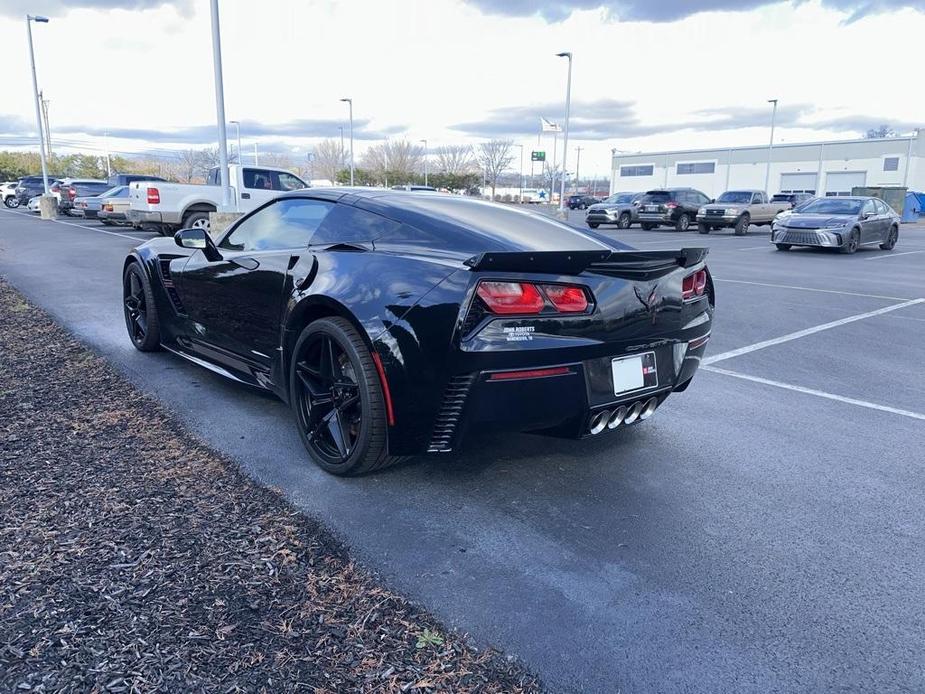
(798, 183)
(840, 183)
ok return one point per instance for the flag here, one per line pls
(549, 127)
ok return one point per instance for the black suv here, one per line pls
(30, 186)
(580, 202)
(670, 206)
(795, 199)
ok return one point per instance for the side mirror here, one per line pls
(867, 215)
(198, 239)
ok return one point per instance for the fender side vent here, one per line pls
(447, 420)
(166, 280)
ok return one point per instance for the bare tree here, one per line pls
(279, 160)
(329, 159)
(398, 160)
(456, 160)
(494, 157)
(187, 165)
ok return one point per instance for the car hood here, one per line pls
(816, 221)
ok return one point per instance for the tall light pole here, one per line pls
(237, 127)
(577, 170)
(568, 108)
(521, 173)
(425, 161)
(350, 104)
(220, 107)
(343, 152)
(35, 91)
(767, 173)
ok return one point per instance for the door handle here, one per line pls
(246, 196)
(246, 263)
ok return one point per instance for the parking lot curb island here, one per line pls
(48, 207)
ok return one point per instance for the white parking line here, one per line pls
(893, 255)
(75, 224)
(808, 331)
(811, 289)
(817, 393)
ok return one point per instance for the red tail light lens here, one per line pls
(671, 205)
(567, 298)
(511, 297)
(55, 189)
(71, 193)
(694, 285)
(154, 196)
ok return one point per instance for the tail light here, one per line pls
(694, 285)
(509, 298)
(71, 193)
(107, 207)
(154, 196)
(56, 189)
(671, 205)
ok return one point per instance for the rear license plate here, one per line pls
(651, 208)
(634, 373)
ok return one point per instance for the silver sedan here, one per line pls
(844, 223)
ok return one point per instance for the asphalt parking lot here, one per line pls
(763, 532)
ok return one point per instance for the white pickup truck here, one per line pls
(167, 207)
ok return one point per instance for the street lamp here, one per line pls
(35, 91)
(350, 104)
(425, 161)
(568, 108)
(220, 108)
(237, 126)
(767, 174)
(521, 173)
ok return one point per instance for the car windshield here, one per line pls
(736, 196)
(621, 198)
(832, 206)
(780, 198)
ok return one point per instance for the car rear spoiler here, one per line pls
(574, 262)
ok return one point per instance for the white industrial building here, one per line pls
(821, 168)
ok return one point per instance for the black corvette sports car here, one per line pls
(392, 322)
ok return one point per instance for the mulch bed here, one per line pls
(133, 558)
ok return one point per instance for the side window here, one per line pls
(290, 182)
(757, 198)
(258, 179)
(287, 223)
(349, 224)
(881, 207)
(869, 207)
(214, 177)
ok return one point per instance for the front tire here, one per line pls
(593, 225)
(703, 228)
(854, 241)
(624, 221)
(141, 319)
(891, 239)
(12, 202)
(782, 246)
(742, 224)
(338, 399)
(683, 223)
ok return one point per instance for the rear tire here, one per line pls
(141, 319)
(338, 399)
(782, 246)
(703, 228)
(624, 221)
(891, 239)
(648, 226)
(742, 224)
(197, 220)
(683, 223)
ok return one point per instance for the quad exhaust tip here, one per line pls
(611, 419)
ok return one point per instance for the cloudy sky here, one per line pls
(648, 74)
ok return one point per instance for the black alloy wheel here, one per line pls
(624, 221)
(684, 222)
(854, 242)
(141, 319)
(891, 239)
(338, 399)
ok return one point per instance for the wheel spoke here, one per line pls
(142, 324)
(337, 432)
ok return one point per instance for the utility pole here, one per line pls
(255, 154)
(237, 125)
(343, 152)
(521, 173)
(45, 103)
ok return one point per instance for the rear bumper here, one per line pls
(143, 217)
(111, 216)
(656, 217)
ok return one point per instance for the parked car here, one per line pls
(795, 199)
(738, 209)
(843, 223)
(72, 188)
(33, 204)
(670, 206)
(124, 179)
(30, 186)
(620, 209)
(580, 202)
(415, 188)
(8, 193)
(114, 211)
(169, 206)
(462, 315)
(89, 206)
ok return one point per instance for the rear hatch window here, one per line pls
(657, 196)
